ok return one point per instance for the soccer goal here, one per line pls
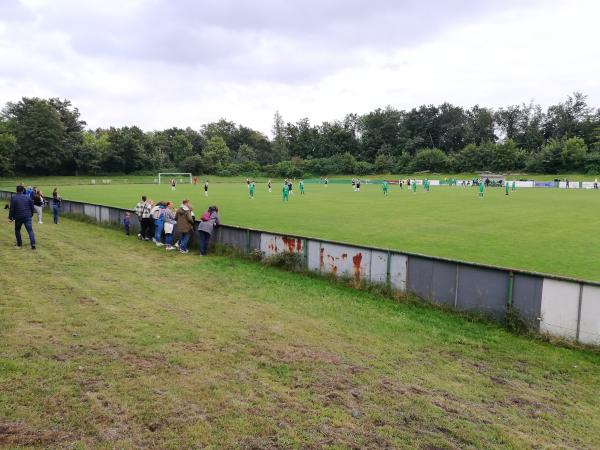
(180, 177)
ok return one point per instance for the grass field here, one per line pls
(108, 342)
(546, 230)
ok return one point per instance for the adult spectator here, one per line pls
(38, 204)
(142, 211)
(56, 203)
(184, 225)
(210, 220)
(21, 212)
(169, 225)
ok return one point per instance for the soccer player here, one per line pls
(206, 188)
(301, 187)
(481, 185)
(514, 186)
(290, 187)
(506, 187)
(358, 185)
(326, 181)
(385, 188)
(269, 185)
(248, 182)
(251, 190)
(286, 192)
(414, 186)
(400, 182)
(173, 184)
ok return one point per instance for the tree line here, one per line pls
(48, 137)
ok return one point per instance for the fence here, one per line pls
(558, 306)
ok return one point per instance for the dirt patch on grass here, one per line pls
(19, 434)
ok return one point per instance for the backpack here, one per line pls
(205, 217)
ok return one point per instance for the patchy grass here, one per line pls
(112, 342)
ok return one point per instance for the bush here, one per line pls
(293, 262)
(363, 168)
(432, 159)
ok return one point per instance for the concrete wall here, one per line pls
(557, 306)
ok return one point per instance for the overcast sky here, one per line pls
(163, 63)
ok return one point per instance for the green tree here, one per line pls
(431, 159)
(573, 154)
(39, 131)
(126, 151)
(8, 147)
(216, 155)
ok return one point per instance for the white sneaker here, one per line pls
(176, 245)
(184, 251)
(159, 244)
(40, 223)
(170, 248)
(154, 240)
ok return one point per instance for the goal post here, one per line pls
(180, 177)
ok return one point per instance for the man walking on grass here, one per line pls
(20, 212)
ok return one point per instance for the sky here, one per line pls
(163, 63)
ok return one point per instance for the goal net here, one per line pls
(179, 177)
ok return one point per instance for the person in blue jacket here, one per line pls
(20, 212)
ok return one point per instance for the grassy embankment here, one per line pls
(111, 342)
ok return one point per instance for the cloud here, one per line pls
(159, 63)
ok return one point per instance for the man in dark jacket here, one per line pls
(21, 210)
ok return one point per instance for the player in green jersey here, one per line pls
(286, 192)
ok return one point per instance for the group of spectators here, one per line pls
(174, 228)
(24, 204)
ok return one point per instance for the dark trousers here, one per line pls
(146, 228)
(204, 239)
(18, 224)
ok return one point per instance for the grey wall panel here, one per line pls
(527, 297)
(398, 271)
(115, 216)
(589, 326)
(420, 273)
(345, 261)
(379, 267)
(89, 210)
(484, 290)
(104, 214)
(560, 308)
(314, 255)
(76, 208)
(443, 283)
(232, 236)
(254, 240)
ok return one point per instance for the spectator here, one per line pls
(127, 223)
(185, 225)
(142, 211)
(56, 202)
(38, 204)
(21, 212)
(210, 220)
(169, 221)
(156, 214)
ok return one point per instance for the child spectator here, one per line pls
(126, 223)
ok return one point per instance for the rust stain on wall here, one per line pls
(293, 245)
(356, 260)
(321, 260)
(332, 264)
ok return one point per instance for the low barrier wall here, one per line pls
(559, 306)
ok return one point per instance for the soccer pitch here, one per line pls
(547, 230)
